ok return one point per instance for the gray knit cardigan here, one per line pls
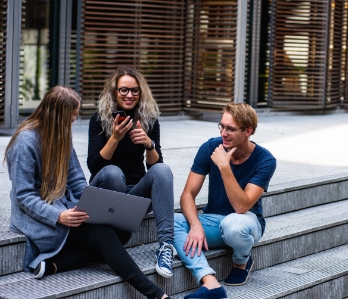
(30, 215)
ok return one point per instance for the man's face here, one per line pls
(232, 135)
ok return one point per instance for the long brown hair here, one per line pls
(52, 120)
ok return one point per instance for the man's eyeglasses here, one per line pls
(125, 90)
(229, 130)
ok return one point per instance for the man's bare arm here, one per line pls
(241, 200)
(196, 237)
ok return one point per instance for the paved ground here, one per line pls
(307, 148)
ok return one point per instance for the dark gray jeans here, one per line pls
(157, 184)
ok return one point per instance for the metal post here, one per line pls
(254, 54)
(78, 45)
(271, 56)
(14, 12)
(65, 42)
(240, 52)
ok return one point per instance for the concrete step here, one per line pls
(322, 275)
(287, 237)
(282, 199)
(11, 252)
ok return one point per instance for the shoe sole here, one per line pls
(161, 272)
(244, 282)
(42, 271)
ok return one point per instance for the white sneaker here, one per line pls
(40, 270)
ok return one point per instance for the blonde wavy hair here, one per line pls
(243, 114)
(52, 120)
(147, 110)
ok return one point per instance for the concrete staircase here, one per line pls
(303, 254)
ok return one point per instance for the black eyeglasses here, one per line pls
(125, 90)
(229, 130)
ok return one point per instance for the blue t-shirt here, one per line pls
(258, 169)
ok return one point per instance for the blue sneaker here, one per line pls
(164, 256)
(238, 277)
(203, 292)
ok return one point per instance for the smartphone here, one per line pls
(122, 116)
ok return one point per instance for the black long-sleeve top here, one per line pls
(128, 156)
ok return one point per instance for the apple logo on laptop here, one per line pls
(111, 210)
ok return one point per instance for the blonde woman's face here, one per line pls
(75, 114)
(127, 101)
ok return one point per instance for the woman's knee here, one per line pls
(110, 177)
(112, 171)
(161, 170)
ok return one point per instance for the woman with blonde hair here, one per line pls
(125, 127)
(46, 175)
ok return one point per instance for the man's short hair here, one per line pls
(243, 114)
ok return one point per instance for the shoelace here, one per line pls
(167, 252)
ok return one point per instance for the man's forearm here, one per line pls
(241, 200)
(189, 210)
(236, 195)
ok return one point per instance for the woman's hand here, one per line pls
(118, 132)
(72, 218)
(138, 136)
(120, 129)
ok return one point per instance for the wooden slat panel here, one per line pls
(148, 35)
(210, 54)
(3, 39)
(305, 55)
(333, 81)
(3, 26)
(344, 55)
(73, 45)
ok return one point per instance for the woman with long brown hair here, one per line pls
(46, 175)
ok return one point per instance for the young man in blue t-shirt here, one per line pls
(239, 172)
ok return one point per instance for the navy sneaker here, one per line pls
(164, 256)
(40, 270)
(203, 292)
(238, 277)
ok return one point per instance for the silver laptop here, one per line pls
(119, 210)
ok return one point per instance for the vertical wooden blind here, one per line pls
(186, 49)
(3, 26)
(305, 53)
(21, 58)
(210, 51)
(73, 44)
(344, 64)
(335, 58)
(148, 35)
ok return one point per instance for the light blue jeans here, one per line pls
(157, 184)
(239, 231)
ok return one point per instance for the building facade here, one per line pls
(196, 55)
